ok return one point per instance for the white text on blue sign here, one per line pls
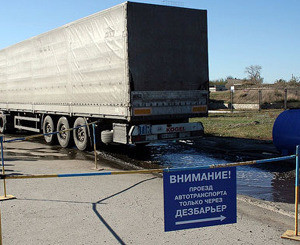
(197, 198)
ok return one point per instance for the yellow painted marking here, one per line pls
(7, 197)
(290, 234)
(55, 175)
(0, 230)
(296, 208)
(144, 171)
(31, 176)
(138, 171)
(233, 164)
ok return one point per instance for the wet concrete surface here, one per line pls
(271, 182)
(115, 209)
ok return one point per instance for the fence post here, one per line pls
(2, 161)
(259, 100)
(231, 100)
(0, 230)
(285, 99)
(5, 197)
(95, 150)
(94, 141)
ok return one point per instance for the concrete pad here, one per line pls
(115, 209)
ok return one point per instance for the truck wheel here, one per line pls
(80, 135)
(48, 127)
(64, 138)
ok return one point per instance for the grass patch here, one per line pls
(250, 125)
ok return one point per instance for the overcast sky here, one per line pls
(241, 33)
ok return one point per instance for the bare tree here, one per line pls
(254, 74)
(294, 81)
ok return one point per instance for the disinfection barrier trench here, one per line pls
(93, 124)
(2, 141)
(291, 234)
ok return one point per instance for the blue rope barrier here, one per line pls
(276, 159)
(270, 160)
(47, 134)
(148, 171)
(13, 140)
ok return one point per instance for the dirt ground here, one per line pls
(117, 209)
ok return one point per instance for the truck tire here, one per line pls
(64, 138)
(48, 127)
(80, 135)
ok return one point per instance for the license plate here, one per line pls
(169, 136)
(144, 129)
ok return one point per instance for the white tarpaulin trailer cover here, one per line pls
(79, 64)
(92, 66)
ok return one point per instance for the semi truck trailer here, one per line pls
(139, 70)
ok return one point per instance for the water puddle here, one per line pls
(272, 182)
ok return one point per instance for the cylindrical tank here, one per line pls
(286, 131)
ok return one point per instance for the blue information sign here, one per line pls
(198, 198)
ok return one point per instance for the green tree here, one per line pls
(294, 81)
(218, 82)
(280, 83)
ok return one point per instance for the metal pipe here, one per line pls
(0, 230)
(2, 160)
(95, 152)
(296, 190)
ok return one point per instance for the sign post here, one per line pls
(199, 198)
